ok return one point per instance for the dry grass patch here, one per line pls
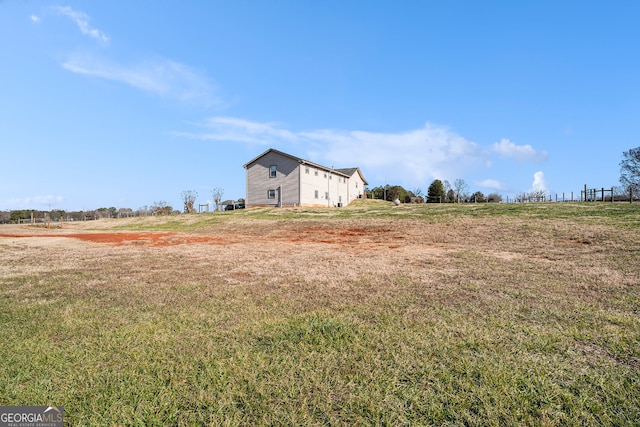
(361, 318)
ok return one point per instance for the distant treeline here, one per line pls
(438, 192)
(25, 215)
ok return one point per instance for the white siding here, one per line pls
(309, 184)
(356, 187)
(327, 182)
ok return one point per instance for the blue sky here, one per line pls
(128, 103)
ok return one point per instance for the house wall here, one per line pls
(298, 183)
(285, 184)
(356, 187)
(331, 187)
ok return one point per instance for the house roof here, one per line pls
(348, 172)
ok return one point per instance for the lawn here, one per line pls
(505, 314)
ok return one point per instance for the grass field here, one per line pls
(372, 314)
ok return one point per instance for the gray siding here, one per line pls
(285, 184)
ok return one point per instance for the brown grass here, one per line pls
(504, 296)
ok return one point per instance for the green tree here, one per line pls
(20, 214)
(392, 192)
(57, 214)
(451, 196)
(435, 194)
(494, 198)
(477, 197)
(399, 192)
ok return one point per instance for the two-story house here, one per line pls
(275, 178)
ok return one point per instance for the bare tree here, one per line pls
(125, 212)
(630, 169)
(417, 196)
(532, 196)
(143, 210)
(216, 196)
(189, 198)
(461, 189)
(446, 186)
(161, 208)
(538, 195)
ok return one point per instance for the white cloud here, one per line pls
(413, 157)
(491, 184)
(234, 129)
(506, 148)
(35, 19)
(539, 182)
(159, 76)
(410, 158)
(155, 75)
(82, 21)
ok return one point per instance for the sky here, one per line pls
(127, 104)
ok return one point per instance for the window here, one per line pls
(356, 184)
(326, 195)
(316, 194)
(271, 194)
(306, 169)
(272, 171)
(316, 172)
(325, 174)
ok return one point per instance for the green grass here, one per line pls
(623, 215)
(547, 336)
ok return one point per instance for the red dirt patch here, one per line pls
(119, 239)
(352, 237)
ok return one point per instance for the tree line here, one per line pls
(442, 191)
(22, 215)
(438, 192)
(161, 207)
